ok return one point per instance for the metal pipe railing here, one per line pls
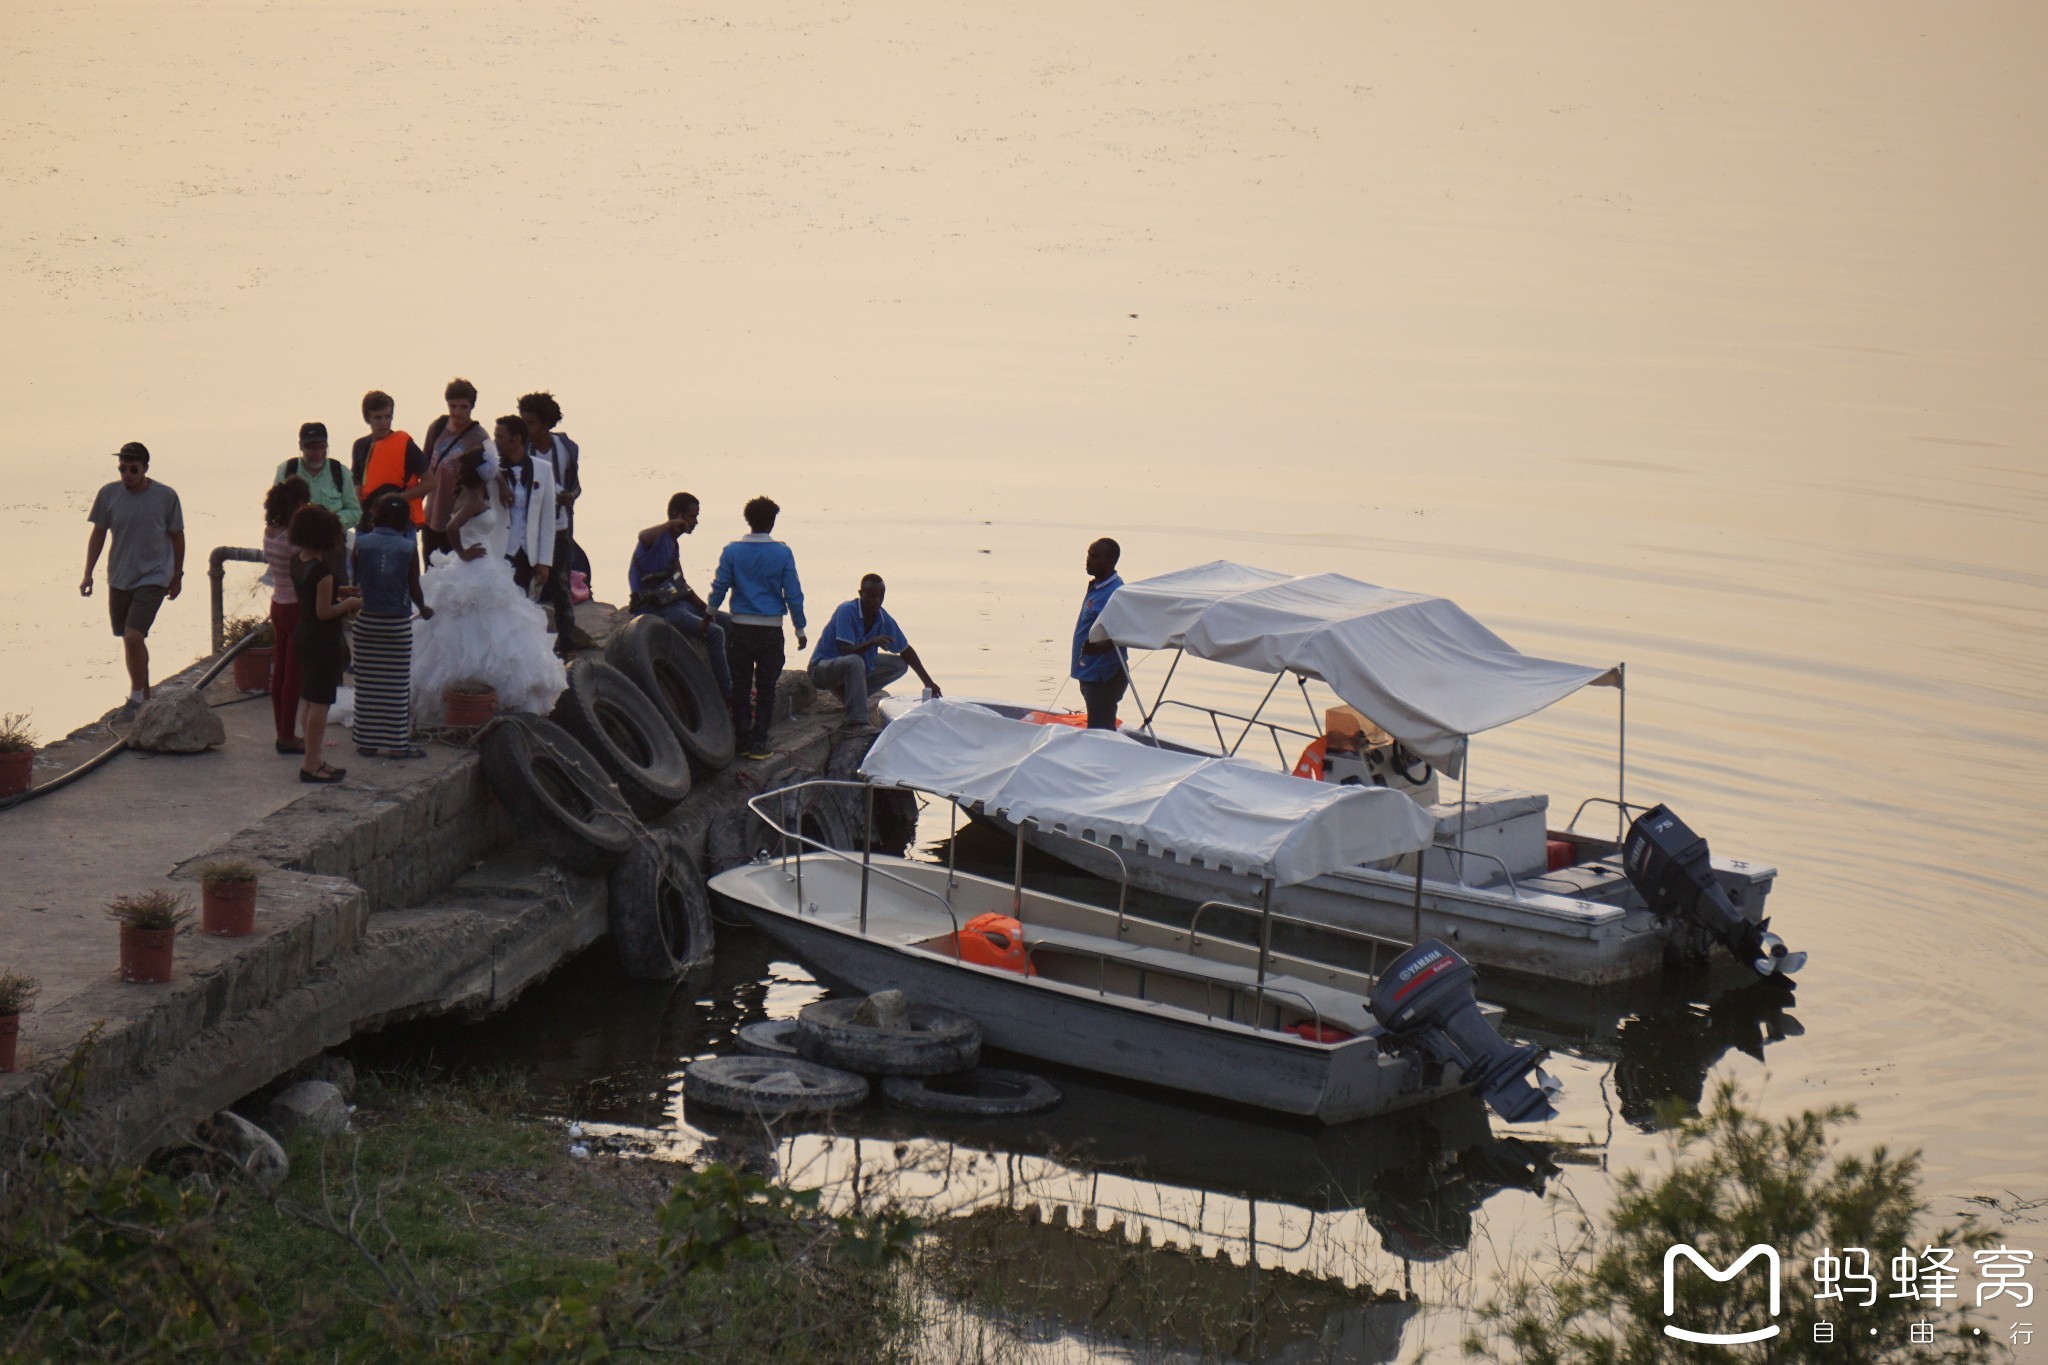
(800, 839)
(1624, 808)
(216, 582)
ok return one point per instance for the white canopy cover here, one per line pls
(1417, 665)
(1097, 785)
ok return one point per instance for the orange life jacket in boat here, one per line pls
(1077, 719)
(994, 940)
(1310, 764)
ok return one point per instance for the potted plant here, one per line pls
(149, 924)
(17, 754)
(469, 704)
(17, 997)
(252, 665)
(227, 898)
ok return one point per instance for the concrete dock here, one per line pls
(399, 893)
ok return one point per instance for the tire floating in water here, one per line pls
(986, 1092)
(660, 910)
(770, 1087)
(936, 1041)
(557, 794)
(628, 734)
(667, 667)
(768, 1037)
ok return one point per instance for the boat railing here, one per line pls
(1452, 850)
(1123, 881)
(1193, 1229)
(1377, 941)
(798, 838)
(1207, 982)
(1228, 747)
(1623, 806)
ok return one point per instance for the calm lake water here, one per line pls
(1709, 341)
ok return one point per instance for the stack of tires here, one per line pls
(923, 1057)
(619, 752)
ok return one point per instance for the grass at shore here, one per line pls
(449, 1227)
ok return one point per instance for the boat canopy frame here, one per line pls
(1228, 748)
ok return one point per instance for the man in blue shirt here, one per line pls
(852, 656)
(1099, 665)
(760, 573)
(655, 577)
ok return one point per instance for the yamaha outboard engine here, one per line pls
(1670, 865)
(1426, 996)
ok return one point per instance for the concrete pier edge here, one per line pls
(378, 904)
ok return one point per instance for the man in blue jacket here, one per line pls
(1098, 665)
(760, 573)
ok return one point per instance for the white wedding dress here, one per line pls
(483, 627)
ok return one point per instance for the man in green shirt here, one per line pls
(330, 484)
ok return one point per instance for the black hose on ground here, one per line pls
(105, 756)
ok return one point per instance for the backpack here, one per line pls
(293, 469)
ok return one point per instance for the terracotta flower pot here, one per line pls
(146, 953)
(227, 908)
(468, 710)
(15, 767)
(252, 668)
(10, 1033)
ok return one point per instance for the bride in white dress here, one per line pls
(483, 627)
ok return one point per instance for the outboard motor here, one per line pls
(1426, 996)
(1670, 865)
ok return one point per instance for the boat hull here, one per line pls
(1135, 1040)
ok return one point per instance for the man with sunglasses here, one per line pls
(147, 564)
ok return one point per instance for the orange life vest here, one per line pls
(1077, 719)
(1310, 764)
(386, 465)
(994, 940)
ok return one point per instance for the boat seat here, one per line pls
(1487, 807)
(1347, 1011)
(1601, 880)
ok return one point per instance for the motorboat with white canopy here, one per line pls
(1418, 677)
(1108, 991)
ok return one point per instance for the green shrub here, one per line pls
(1736, 1181)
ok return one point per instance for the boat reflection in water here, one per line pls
(1262, 1237)
(1126, 1215)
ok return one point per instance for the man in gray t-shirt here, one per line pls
(148, 561)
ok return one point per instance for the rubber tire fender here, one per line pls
(767, 1037)
(895, 808)
(937, 1041)
(769, 1087)
(557, 794)
(986, 1092)
(628, 734)
(666, 665)
(660, 910)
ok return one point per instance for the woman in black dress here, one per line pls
(321, 639)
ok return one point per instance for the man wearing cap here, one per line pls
(148, 560)
(326, 480)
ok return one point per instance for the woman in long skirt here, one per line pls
(389, 573)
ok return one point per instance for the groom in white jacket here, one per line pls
(530, 501)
